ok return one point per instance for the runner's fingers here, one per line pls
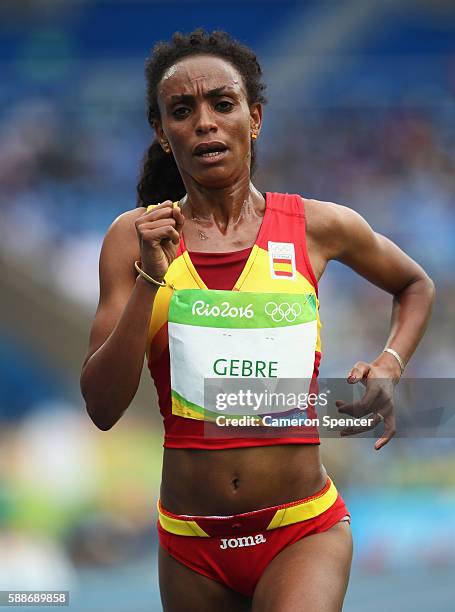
(376, 397)
(358, 372)
(156, 223)
(389, 432)
(162, 211)
(370, 401)
(356, 409)
(179, 218)
(158, 234)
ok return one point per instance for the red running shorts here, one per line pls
(235, 550)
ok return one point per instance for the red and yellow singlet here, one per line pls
(277, 263)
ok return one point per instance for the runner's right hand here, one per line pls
(158, 233)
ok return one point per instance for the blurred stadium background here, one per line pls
(361, 112)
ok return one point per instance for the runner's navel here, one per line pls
(235, 482)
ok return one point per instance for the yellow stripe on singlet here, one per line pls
(150, 206)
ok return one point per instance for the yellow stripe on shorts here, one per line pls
(305, 510)
(284, 516)
(179, 526)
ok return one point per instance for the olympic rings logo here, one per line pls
(286, 311)
(282, 249)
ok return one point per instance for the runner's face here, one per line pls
(202, 99)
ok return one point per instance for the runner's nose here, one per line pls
(205, 122)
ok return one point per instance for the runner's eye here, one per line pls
(224, 106)
(181, 112)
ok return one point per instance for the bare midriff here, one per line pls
(232, 481)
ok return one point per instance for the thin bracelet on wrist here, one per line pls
(397, 357)
(147, 277)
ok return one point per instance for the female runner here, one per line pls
(250, 522)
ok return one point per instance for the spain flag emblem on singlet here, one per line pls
(282, 259)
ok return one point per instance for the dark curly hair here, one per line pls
(160, 179)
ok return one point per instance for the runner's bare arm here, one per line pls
(112, 367)
(350, 240)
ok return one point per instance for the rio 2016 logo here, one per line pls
(202, 309)
(283, 311)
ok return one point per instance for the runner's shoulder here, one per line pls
(121, 236)
(328, 219)
(127, 219)
(124, 224)
(331, 225)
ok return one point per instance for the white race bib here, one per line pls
(229, 334)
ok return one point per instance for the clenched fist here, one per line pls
(159, 232)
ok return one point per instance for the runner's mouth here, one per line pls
(210, 150)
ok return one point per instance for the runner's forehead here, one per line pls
(199, 75)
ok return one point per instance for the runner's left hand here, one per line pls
(379, 381)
